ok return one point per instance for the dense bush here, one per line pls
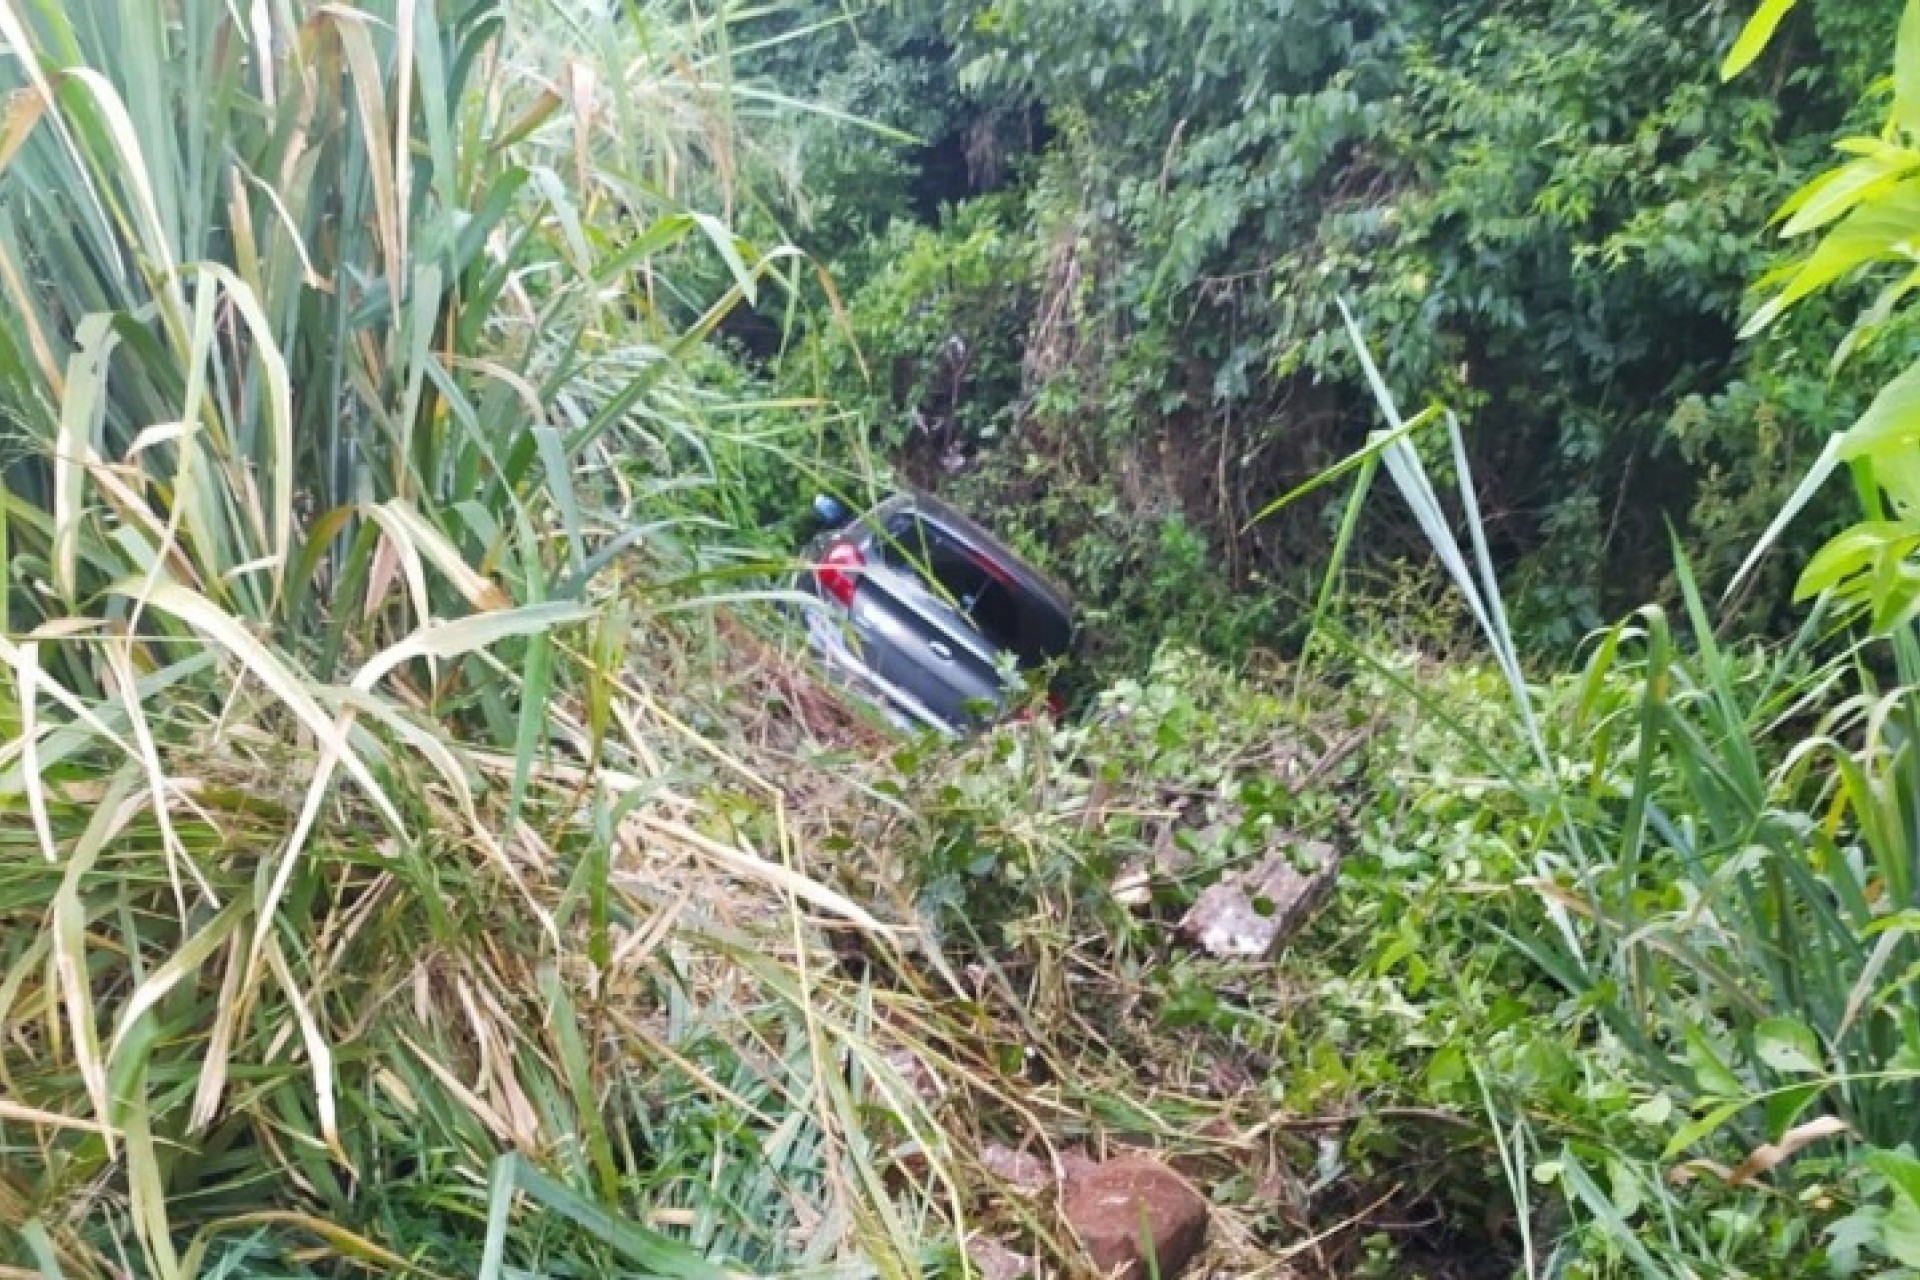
(1543, 216)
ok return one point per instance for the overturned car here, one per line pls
(928, 615)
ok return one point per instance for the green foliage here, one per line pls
(883, 126)
(936, 330)
(1636, 1014)
(1545, 215)
(1644, 928)
(1863, 212)
(359, 419)
(1718, 839)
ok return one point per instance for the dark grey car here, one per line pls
(930, 615)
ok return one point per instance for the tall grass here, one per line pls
(1724, 877)
(350, 909)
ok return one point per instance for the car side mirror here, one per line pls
(830, 511)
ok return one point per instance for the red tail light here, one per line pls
(838, 572)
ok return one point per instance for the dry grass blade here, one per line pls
(272, 671)
(1769, 1156)
(75, 975)
(132, 166)
(20, 1113)
(319, 1056)
(25, 660)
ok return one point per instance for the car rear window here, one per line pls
(985, 593)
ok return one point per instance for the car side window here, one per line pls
(958, 578)
(909, 545)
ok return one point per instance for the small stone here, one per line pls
(1133, 889)
(917, 1076)
(1076, 1163)
(1021, 1170)
(1132, 1209)
(1029, 1173)
(994, 1261)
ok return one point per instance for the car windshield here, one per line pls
(982, 591)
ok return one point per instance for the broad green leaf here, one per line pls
(1906, 70)
(1902, 1172)
(1899, 1232)
(1897, 471)
(1788, 1045)
(1840, 191)
(1712, 1072)
(1623, 1188)
(1853, 551)
(1655, 1111)
(1881, 229)
(1892, 419)
(1786, 1106)
(1702, 1127)
(1447, 1067)
(1754, 37)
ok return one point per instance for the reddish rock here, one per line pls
(1133, 1208)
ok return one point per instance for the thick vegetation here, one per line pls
(1136, 220)
(421, 850)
